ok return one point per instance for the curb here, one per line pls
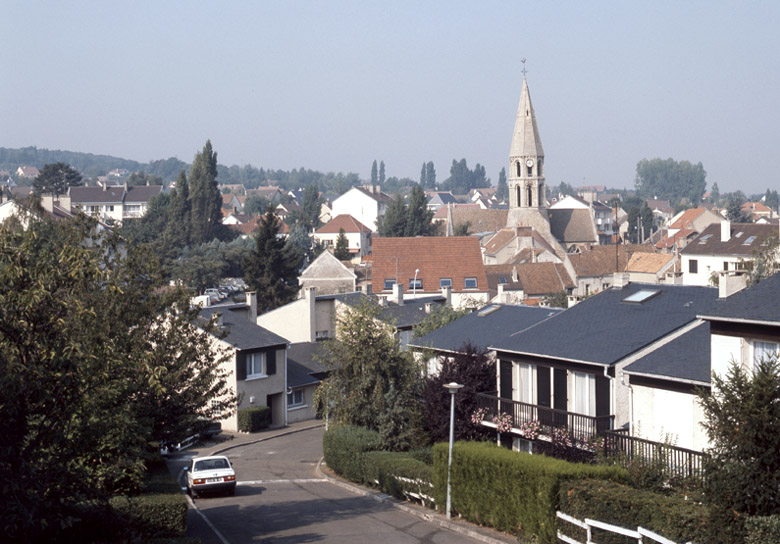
(424, 515)
(263, 439)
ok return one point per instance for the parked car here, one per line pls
(209, 475)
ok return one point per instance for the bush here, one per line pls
(400, 475)
(510, 491)
(343, 447)
(253, 419)
(762, 529)
(673, 517)
(157, 514)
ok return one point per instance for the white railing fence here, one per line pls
(642, 535)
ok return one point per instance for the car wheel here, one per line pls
(192, 493)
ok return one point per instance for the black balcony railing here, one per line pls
(579, 426)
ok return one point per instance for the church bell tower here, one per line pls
(526, 159)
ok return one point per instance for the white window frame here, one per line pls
(291, 399)
(466, 282)
(763, 349)
(255, 365)
(584, 397)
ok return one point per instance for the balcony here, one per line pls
(579, 426)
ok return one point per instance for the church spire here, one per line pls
(526, 157)
(526, 141)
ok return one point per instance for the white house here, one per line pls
(366, 204)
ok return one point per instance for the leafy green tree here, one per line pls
(374, 174)
(98, 366)
(271, 269)
(439, 316)
(714, 193)
(205, 198)
(255, 205)
(393, 223)
(301, 242)
(418, 216)
(742, 413)
(557, 300)
(502, 190)
(734, 210)
(671, 180)
(311, 207)
(202, 266)
(342, 246)
(641, 223)
(381, 172)
(372, 383)
(142, 178)
(56, 178)
(430, 175)
(461, 229)
(471, 367)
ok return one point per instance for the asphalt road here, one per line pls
(281, 499)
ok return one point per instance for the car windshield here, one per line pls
(211, 464)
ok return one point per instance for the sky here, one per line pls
(335, 85)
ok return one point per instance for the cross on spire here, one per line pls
(523, 70)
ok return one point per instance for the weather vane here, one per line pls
(523, 70)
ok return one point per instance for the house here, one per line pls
(606, 223)
(651, 267)
(27, 172)
(480, 328)
(572, 223)
(595, 268)
(366, 204)
(527, 283)
(304, 374)
(113, 202)
(662, 210)
(757, 210)
(565, 372)
(437, 199)
(503, 246)
(328, 275)
(685, 226)
(270, 193)
(256, 364)
(425, 265)
(358, 235)
(722, 247)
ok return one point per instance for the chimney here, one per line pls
(251, 302)
(620, 280)
(47, 202)
(428, 307)
(364, 288)
(730, 283)
(310, 294)
(446, 292)
(398, 293)
(725, 230)
(382, 301)
(500, 296)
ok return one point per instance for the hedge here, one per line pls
(254, 418)
(510, 491)
(400, 475)
(673, 517)
(762, 529)
(343, 447)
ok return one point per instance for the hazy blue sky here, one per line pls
(332, 86)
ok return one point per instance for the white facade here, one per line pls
(362, 206)
(668, 416)
(698, 269)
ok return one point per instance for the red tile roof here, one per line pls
(343, 221)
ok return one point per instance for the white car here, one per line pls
(210, 474)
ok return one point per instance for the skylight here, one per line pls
(642, 295)
(737, 235)
(703, 239)
(748, 240)
(487, 310)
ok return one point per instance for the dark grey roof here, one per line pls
(484, 327)
(604, 328)
(401, 316)
(745, 239)
(86, 195)
(686, 358)
(758, 303)
(302, 363)
(242, 333)
(142, 193)
(571, 226)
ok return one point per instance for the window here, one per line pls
(445, 282)
(470, 283)
(389, 285)
(321, 335)
(763, 351)
(502, 279)
(693, 266)
(584, 394)
(749, 240)
(725, 265)
(295, 398)
(415, 283)
(255, 365)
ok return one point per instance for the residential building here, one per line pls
(329, 275)
(758, 210)
(685, 226)
(437, 199)
(527, 283)
(594, 268)
(505, 245)
(651, 267)
(358, 235)
(113, 202)
(366, 204)
(27, 172)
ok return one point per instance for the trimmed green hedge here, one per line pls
(762, 529)
(254, 418)
(343, 447)
(673, 517)
(510, 491)
(158, 514)
(399, 474)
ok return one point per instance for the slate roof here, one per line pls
(302, 363)
(759, 303)
(708, 242)
(604, 328)
(142, 193)
(661, 205)
(483, 327)
(572, 225)
(403, 316)
(686, 358)
(82, 195)
(378, 196)
(241, 333)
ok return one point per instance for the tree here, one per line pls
(205, 198)
(381, 172)
(98, 366)
(372, 383)
(178, 221)
(271, 269)
(671, 180)
(430, 175)
(471, 367)
(374, 175)
(255, 205)
(300, 241)
(734, 211)
(423, 177)
(461, 229)
(142, 178)
(311, 206)
(342, 246)
(714, 193)
(641, 223)
(439, 316)
(56, 178)
(502, 190)
(462, 179)
(393, 223)
(742, 420)
(772, 199)
(418, 216)
(559, 299)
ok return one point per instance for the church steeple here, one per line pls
(526, 157)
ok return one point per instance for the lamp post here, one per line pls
(414, 283)
(453, 388)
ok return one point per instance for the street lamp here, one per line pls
(453, 388)
(414, 283)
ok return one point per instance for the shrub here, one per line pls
(254, 418)
(761, 529)
(400, 475)
(343, 447)
(510, 491)
(673, 517)
(157, 514)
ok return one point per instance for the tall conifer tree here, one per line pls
(205, 198)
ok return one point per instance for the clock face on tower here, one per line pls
(529, 163)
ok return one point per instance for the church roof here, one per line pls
(571, 225)
(526, 141)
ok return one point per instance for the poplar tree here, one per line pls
(381, 172)
(430, 175)
(418, 216)
(423, 177)
(374, 175)
(205, 198)
(502, 190)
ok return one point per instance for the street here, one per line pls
(280, 498)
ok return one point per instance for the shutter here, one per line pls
(602, 396)
(543, 386)
(505, 379)
(270, 362)
(240, 365)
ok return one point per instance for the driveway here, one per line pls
(282, 498)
